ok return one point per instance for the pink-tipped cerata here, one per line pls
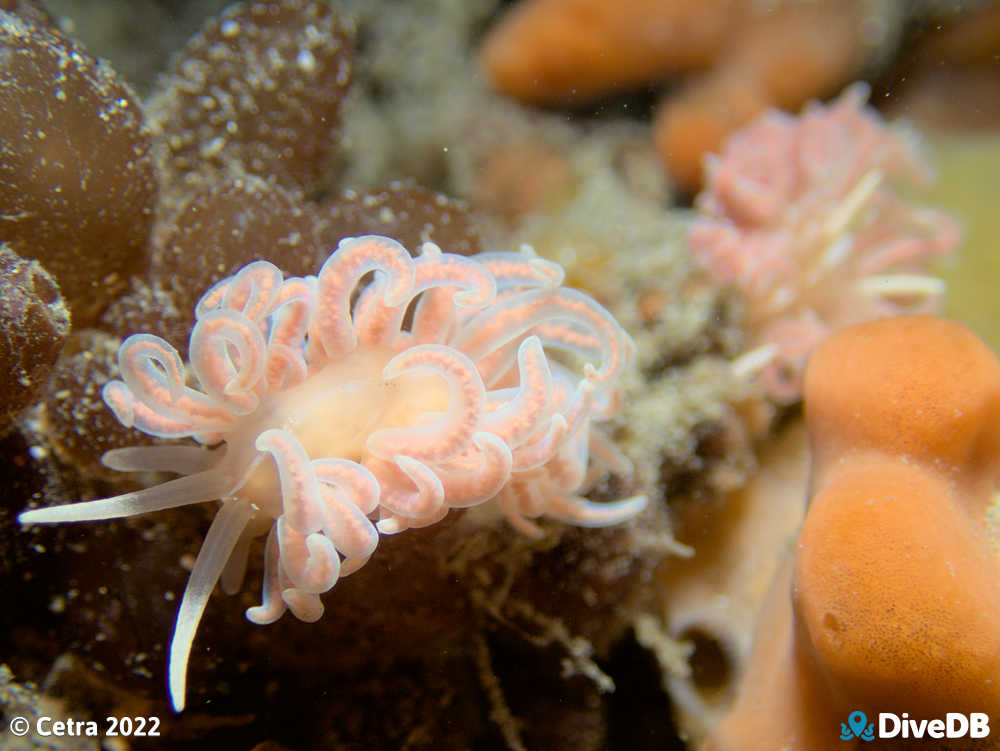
(341, 422)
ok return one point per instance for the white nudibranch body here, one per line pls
(337, 421)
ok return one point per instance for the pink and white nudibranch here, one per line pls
(337, 416)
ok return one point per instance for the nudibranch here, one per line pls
(369, 399)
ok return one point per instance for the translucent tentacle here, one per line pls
(293, 306)
(604, 451)
(409, 488)
(227, 380)
(434, 315)
(300, 497)
(153, 372)
(286, 367)
(495, 367)
(475, 285)
(351, 531)
(535, 454)
(305, 606)
(356, 482)
(568, 468)
(586, 513)
(183, 491)
(519, 314)
(250, 291)
(227, 526)
(184, 460)
(272, 607)
(332, 327)
(391, 524)
(474, 486)
(132, 413)
(571, 337)
(508, 500)
(311, 561)
(527, 411)
(532, 497)
(452, 433)
(376, 323)
(236, 567)
(442, 279)
(521, 270)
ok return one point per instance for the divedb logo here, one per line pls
(954, 725)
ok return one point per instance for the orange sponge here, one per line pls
(892, 602)
(778, 59)
(573, 51)
(742, 57)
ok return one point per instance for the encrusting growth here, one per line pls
(892, 599)
(348, 408)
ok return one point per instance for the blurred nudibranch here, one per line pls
(810, 218)
(337, 407)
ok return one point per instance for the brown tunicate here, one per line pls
(149, 309)
(257, 91)
(30, 10)
(34, 323)
(26, 564)
(217, 233)
(76, 173)
(408, 213)
(74, 418)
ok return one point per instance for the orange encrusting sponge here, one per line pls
(892, 602)
(555, 52)
(741, 57)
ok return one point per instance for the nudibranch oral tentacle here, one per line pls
(340, 421)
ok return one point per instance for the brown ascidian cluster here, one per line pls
(118, 214)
